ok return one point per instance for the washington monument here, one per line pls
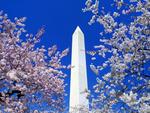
(78, 84)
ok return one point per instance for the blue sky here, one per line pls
(60, 18)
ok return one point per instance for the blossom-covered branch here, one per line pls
(28, 76)
(126, 49)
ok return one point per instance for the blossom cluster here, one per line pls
(125, 47)
(28, 75)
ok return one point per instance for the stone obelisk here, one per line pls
(78, 84)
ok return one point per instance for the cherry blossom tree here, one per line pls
(125, 50)
(30, 78)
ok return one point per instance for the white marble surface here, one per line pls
(78, 84)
